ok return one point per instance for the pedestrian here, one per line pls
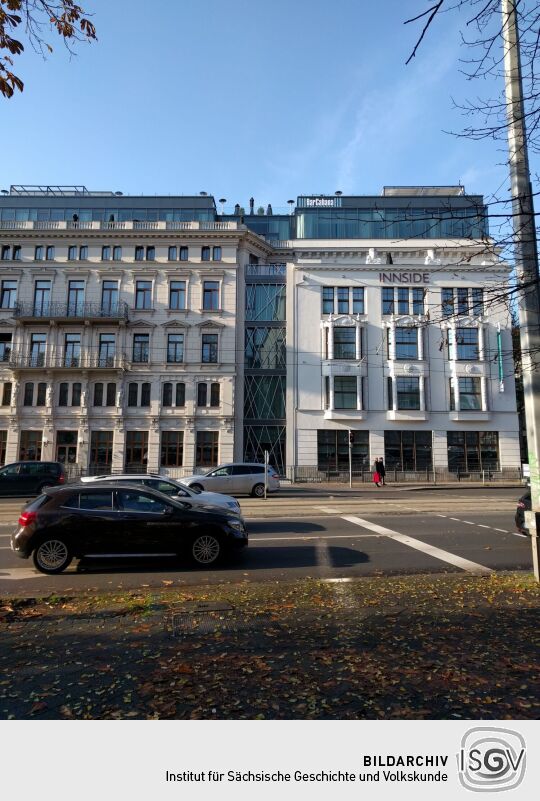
(381, 470)
(376, 475)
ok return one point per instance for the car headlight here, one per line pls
(233, 504)
(237, 525)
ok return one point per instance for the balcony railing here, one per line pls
(68, 311)
(87, 360)
(266, 270)
(119, 225)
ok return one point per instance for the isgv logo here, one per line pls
(491, 760)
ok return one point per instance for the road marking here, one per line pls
(254, 538)
(329, 510)
(437, 553)
(455, 518)
(469, 522)
(440, 515)
(481, 525)
(517, 534)
(20, 574)
(502, 530)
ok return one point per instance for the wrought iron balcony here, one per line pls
(67, 361)
(71, 312)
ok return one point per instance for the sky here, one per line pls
(251, 98)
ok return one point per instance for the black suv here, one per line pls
(121, 520)
(29, 478)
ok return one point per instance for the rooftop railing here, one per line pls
(118, 225)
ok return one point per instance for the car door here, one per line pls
(243, 479)
(147, 522)
(219, 480)
(10, 480)
(93, 519)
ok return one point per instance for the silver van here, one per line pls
(236, 479)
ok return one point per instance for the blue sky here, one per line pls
(270, 99)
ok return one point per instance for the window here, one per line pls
(117, 253)
(133, 501)
(38, 253)
(105, 253)
(38, 343)
(462, 300)
(209, 350)
(470, 394)
(344, 342)
(173, 252)
(328, 300)
(107, 349)
(8, 296)
(206, 451)
(98, 394)
(343, 300)
(211, 295)
(3, 446)
(145, 394)
(141, 345)
(76, 394)
(388, 300)
(473, 450)
(177, 295)
(216, 254)
(41, 394)
(101, 450)
(6, 252)
(358, 299)
(166, 396)
(136, 449)
(418, 296)
(83, 252)
(42, 298)
(402, 299)
(205, 254)
(109, 297)
(202, 392)
(214, 394)
(6, 394)
(265, 302)
(139, 253)
(28, 398)
(333, 450)
(30, 446)
(408, 450)
(150, 253)
(63, 394)
(447, 302)
(49, 253)
(95, 501)
(111, 394)
(466, 344)
(75, 298)
(345, 392)
(407, 392)
(72, 350)
(72, 252)
(172, 448)
(133, 394)
(175, 348)
(406, 342)
(184, 254)
(477, 298)
(16, 252)
(143, 295)
(5, 347)
(180, 394)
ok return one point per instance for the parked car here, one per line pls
(30, 478)
(524, 505)
(237, 479)
(121, 519)
(172, 488)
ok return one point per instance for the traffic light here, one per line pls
(351, 437)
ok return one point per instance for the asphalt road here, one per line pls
(322, 534)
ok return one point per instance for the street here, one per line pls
(318, 533)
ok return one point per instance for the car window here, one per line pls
(256, 469)
(10, 470)
(161, 486)
(96, 500)
(133, 501)
(241, 470)
(222, 471)
(72, 502)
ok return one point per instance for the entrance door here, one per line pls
(66, 447)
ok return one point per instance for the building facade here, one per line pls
(156, 334)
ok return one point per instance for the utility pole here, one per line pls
(525, 256)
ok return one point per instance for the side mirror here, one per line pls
(168, 511)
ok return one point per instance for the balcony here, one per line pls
(66, 361)
(71, 313)
(266, 270)
(119, 225)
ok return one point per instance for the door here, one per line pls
(220, 480)
(75, 299)
(38, 344)
(10, 480)
(148, 525)
(66, 447)
(98, 522)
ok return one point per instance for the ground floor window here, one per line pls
(136, 450)
(101, 451)
(3, 445)
(172, 448)
(66, 447)
(30, 446)
(408, 450)
(258, 439)
(333, 450)
(206, 452)
(473, 450)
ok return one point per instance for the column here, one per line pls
(392, 335)
(153, 460)
(119, 447)
(420, 343)
(481, 343)
(455, 390)
(358, 342)
(330, 340)
(422, 388)
(359, 392)
(331, 398)
(483, 393)
(394, 394)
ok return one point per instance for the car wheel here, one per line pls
(258, 491)
(198, 487)
(206, 550)
(52, 556)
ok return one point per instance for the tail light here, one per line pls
(26, 518)
(61, 478)
(521, 505)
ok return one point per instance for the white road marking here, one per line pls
(329, 510)
(469, 522)
(254, 538)
(502, 530)
(481, 525)
(337, 580)
(440, 515)
(455, 518)
(19, 574)
(517, 534)
(437, 553)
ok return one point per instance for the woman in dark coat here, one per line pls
(380, 469)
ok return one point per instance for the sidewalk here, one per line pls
(449, 646)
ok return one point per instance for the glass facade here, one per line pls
(333, 450)
(473, 450)
(408, 450)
